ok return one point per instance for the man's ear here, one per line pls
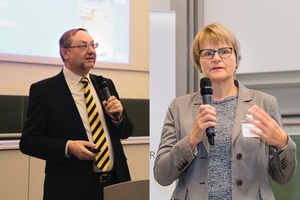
(64, 53)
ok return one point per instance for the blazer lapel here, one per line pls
(197, 102)
(244, 103)
(66, 96)
(95, 81)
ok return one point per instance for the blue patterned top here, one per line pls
(219, 164)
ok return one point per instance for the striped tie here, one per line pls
(102, 160)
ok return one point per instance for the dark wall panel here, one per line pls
(13, 112)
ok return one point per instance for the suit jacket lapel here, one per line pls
(66, 96)
(244, 103)
(197, 102)
(95, 82)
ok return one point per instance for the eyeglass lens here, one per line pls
(209, 53)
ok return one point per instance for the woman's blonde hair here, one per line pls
(214, 33)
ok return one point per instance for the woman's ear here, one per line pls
(200, 70)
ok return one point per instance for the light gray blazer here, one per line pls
(252, 159)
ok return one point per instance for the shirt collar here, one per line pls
(74, 78)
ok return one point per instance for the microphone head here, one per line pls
(101, 82)
(206, 86)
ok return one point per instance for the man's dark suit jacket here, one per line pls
(53, 119)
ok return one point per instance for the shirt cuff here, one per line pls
(195, 151)
(66, 150)
(274, 149)
(118, 122)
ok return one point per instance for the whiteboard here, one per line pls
(268, 31)
(30, 31)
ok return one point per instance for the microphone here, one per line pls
(206, 91)
(103, 87)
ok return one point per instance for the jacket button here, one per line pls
(239, 156)
(239, 182)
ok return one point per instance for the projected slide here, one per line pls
(33, 27)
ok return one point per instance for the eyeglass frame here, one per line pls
(84, 47)
(218, 51)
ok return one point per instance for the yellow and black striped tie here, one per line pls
(102, 160)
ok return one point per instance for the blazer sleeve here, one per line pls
(173, 156)
(35, 140)
(283, 164)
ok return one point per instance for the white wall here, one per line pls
(16, 79)
(160, 5)
(22, 177)
(268, 31)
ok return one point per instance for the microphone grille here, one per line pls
(206, 86)
(101, 82)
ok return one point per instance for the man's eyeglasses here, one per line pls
(209, 53)
(84, 47)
